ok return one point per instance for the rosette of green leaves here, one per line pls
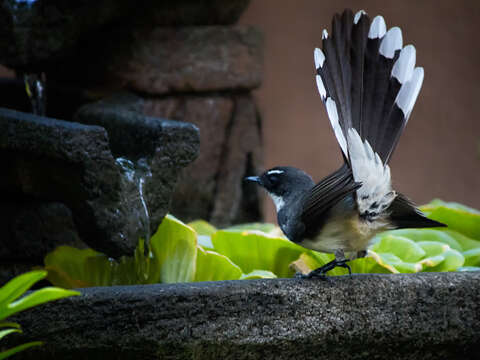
(199, 252)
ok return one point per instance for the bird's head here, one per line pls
(283, 183)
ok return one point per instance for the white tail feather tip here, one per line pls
(321, 87)
(407, 96)
(358, 15)
(333, 116)
(403, 68)
(378, 28)
(391, 42)
(319, 58)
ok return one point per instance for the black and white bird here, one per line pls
(369, 84)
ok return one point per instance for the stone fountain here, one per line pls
(104, 165)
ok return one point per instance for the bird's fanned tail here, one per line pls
(370, 77)
(369, 84)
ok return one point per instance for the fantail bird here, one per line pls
(369, 84)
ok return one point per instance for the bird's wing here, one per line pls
(326, 194)
(369, 84)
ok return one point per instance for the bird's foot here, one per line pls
(321, 271)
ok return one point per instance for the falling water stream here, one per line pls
(35, 88)
(134, 174)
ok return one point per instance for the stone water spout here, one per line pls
(50, 161)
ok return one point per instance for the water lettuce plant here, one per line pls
(198, 251)
(11, 303)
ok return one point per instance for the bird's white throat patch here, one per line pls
(278, 201)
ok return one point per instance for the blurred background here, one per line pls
(438, 155)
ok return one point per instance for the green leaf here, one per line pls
(400, 246)
(427, 235)
(6, 332)
(397, 254)
(18, 285)
(7, 353)
(367, 265)
(452, 205)
(394, 264)
(202, 227)
(433, 248)
(465, 242)
(67, 267)
(12, 303)
(458, 217)
(212, 266)
(74, 268)
(254, 250)
(10, 324)
(440, 257)
(472, 257)
(256, 226)
(453, 260)
(258, 274)
(174, 247)
(36, 298)
(172, 259)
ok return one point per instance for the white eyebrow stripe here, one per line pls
(275, 172)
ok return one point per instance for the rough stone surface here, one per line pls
(236, 200)
(53, 160)
(35, 35)
(421, 316)
(36, 227)
(167, 146)
(48, 160)
(31, 229)
(212, 186)
(167, 59)
(195, 59)
(8, 270)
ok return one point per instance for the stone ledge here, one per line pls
(166, 60)
(427, 315)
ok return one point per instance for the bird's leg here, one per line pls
(339, 260)
(361, 254)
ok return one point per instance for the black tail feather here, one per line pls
(357, 54)
(404, 214)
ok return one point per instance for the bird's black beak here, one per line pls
(256, 179)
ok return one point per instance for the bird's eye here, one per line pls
(273, 179)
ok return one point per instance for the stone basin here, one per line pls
(374, 316)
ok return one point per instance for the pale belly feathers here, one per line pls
(348, 234)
